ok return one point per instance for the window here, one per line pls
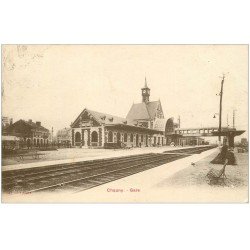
(142, 138)
(110, 136)
(131, 138)
(125, 137)
(77, 137)
(94, 136)
(118, 137)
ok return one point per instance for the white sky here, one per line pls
(53, 84)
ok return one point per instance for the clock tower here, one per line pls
(145, 92)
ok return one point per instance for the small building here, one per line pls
(6, 122)
(63, 137)
(30, 133)
(244, 141)
(10, 142)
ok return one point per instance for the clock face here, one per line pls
(144, 91)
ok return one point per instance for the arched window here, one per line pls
(110, 136)
(94, 136)
(118, 137)
(169, 127)
(125, 137)
(77, 137)
(131, 137)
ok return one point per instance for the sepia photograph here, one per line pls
(124, 123)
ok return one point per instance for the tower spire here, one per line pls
(146, 85)
(145, 92)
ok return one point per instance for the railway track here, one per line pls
(84, 175)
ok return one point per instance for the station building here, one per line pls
(31, 134)
(143, 126)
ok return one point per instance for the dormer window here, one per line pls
(103, 117)
(111, 119)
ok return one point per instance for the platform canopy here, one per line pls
(10, 138)
(134, 128)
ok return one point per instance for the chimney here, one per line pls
(38, 124)
(30, 121)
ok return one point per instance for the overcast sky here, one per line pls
(53, 84)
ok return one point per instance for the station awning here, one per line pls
(10, 138)
(134, 128)
(173, 135)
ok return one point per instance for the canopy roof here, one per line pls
(10, 138)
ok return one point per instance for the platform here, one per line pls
(69, 155)
(178, 181)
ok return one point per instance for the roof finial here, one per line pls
(146, 85)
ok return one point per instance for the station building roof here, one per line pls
(106, 118)
(30, 124)
(160, 124)
(101, 118)
(143, 111)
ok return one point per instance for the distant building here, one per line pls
(64, 137)
(6, 122)
(30, 133)
(244, 141)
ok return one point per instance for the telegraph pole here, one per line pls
(220, 113)
(179, 121)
